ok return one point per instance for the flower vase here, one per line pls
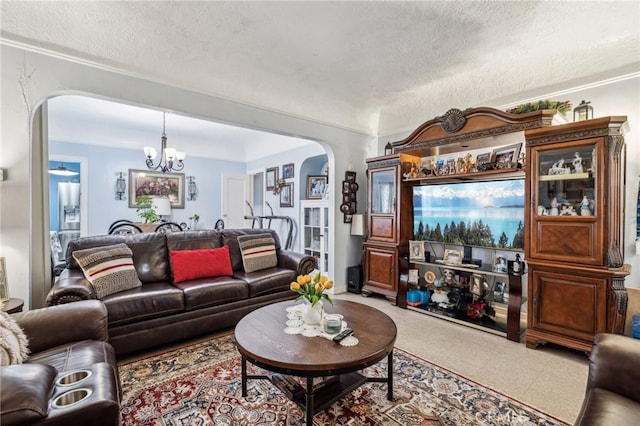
(312, 315)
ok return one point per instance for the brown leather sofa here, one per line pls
(71, 375)
(613, 387)
(161, 312)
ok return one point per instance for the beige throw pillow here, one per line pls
(108, 268)
(258, 252)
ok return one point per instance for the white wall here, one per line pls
(28, 78)
(612, 98)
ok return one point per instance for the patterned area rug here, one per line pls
(200, 385)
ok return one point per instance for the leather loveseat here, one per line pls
(161, 311)
(70, 376)
(613, 387)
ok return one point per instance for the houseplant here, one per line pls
(145, 209)
(312, 291)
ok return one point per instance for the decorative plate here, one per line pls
(430, 277)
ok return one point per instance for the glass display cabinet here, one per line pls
(315, 232)
(575, 232)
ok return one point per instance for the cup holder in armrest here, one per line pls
(71, 398)
(73, 377)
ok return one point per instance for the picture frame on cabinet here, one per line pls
(271, 177)
(476, 285)
(316, 187)
(416, 251)
(500, 264)
(483, 158)
(286, 195)
(506, 154)
(452, 257)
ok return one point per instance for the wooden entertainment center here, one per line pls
(573, 176)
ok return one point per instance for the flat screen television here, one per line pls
(481, 214)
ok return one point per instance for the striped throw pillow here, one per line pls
(108, 268)
(258, 252)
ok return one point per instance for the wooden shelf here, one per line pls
(488, 175)
(572, 176)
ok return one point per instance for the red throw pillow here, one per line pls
(206, 263)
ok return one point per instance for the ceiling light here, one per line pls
(61, 170)
(170, 159)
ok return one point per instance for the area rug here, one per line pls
(200, 385)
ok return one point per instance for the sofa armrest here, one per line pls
(71, 286)
(58, 325)
(613, 365)
(25, 392)
(299, 262)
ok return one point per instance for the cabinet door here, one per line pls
(567, 303)
(382, 204)
(381, 268)
(566, 211)
(315, 233)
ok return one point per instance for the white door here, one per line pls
(234, 196)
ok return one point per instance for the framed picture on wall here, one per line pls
(4, 287)
(271, 178)
(288, 171)
(316, 187)
(156, 184)
(286, 195)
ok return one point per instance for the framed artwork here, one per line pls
(476, 285)
(346, 187)
(348, 218)
(506, 154)
(452, 257)
(500, 264)
(156, 184)
(483, 158)
(271, 178)
(316, 187)
(4, 287)
(288, 171)
(416, 250)
(350, 176)
(286, 195)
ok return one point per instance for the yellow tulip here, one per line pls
(319, 287)
(328, 284)
(294, 286)
(323, 278)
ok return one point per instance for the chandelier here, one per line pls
(170, 159)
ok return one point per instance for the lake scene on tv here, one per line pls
(483, 214)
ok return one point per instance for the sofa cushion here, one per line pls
(25, 393)
(269, 281)
(206, 263)
(206, 292)
(109, 269)
(194, 240)
(150, 255)
(152, 300)
(13, 342)
(230, 238)
(258, 252)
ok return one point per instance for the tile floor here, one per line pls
(550, 378)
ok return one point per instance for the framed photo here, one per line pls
(452, 257)
(500, 264)
(287, 171)
(271, 178)
(506, 154)
(346, 188)
(483, 158)
(156, 184)
(286, 195)
(348, 218)
(416, 250)
(350, 176)
(353, 207)
(4, 286)
(316, 187)
(476, 285)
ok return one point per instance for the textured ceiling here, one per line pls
(375, 67)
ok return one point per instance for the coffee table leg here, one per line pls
(309, 401)
(244, 376)
(390, 376)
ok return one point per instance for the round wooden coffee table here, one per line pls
(262, 341)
